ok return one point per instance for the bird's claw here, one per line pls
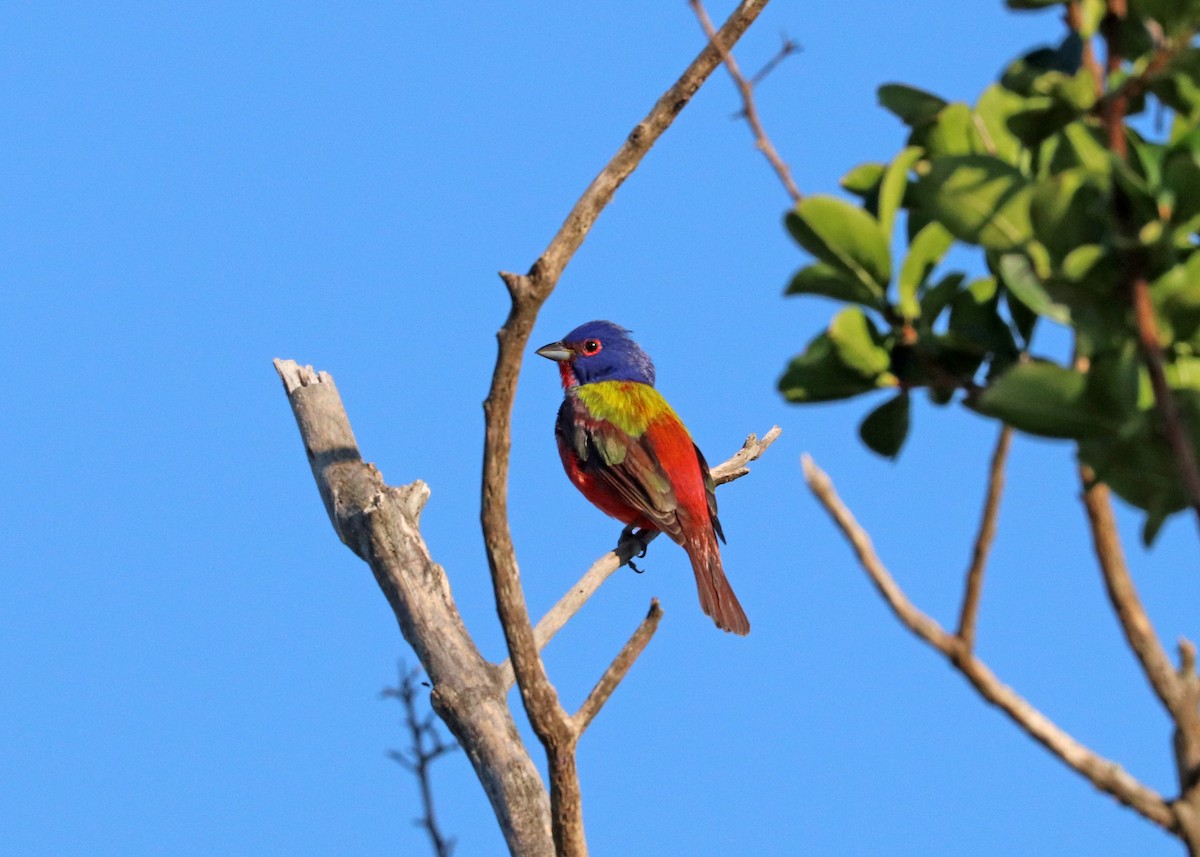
(633, 535)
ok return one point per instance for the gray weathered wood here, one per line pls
(380, 523)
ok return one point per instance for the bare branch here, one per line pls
(1102, 773)
(380, 524)
(787, 47)
(1177, 690)
(425, 747)
(618, 668)
(550, 722)
(733, 468)
(746, 88)
(752, 450)
(1139, 631)
(983, 541)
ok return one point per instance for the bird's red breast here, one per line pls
(628, 452)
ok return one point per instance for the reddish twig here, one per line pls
(1114, 107)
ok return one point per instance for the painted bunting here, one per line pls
(626, 450)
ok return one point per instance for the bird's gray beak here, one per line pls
(555, 351)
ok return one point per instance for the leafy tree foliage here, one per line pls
(1072, 209)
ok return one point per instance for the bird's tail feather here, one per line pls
(716, 595)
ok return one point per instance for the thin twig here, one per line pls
(749, 109)
(528, 292)
(425, 747)
(602, 569)
(618, 668)
(787, 47)
(1102, 773)
(983, 541)
(381, 524)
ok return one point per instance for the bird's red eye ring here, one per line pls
(590, 347)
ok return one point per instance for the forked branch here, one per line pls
(746, 90)
(1101, 772)
(552, 724)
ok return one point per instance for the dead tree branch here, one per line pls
(1103, 773)
(380, 523)
(425, 747)
(746, 89)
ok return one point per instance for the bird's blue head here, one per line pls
(599, 351)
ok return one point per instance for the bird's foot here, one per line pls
(636, 536)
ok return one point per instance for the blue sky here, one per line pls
(191, 661)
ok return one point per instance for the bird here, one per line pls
(628, 452)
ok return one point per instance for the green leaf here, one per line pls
(1043, 399)
(845, 237)
(994, 108)
(858, 344)
(1040, 70)
(1152, 526)
(924, 253)
(819, 375)
(1042, 117)
(974, 318)
(1176, 297)
(863, 181)
(1018, 277)
(885, 428)
(938, 297)
(954, 133)
(1139, 468)
(1080, 262)
(1178, 85)
(980, 199)
(1091, 14)
(1024, 319)
(1113, 382)
(913, 106)
(893, 185)
(1080, 145)
(828, 281)
(1183, 374)
(1177, 17)
(1067, 210)
(1181, 179)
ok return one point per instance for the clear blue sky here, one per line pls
(190, 660)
